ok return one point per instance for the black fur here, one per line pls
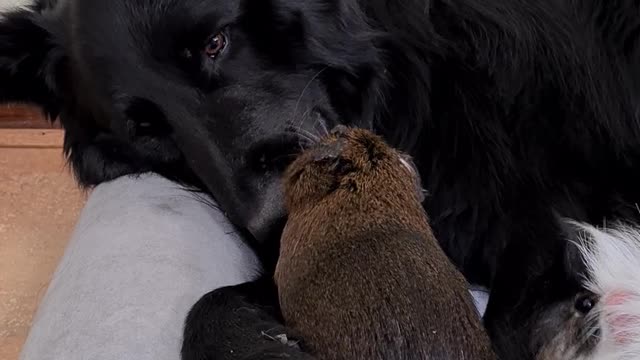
(515, 112)
(224, 334)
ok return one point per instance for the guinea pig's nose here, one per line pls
(339, 130)
(328, 151)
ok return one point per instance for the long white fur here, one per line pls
(612, 257)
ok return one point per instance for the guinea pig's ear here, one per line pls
(408, 163)
(31, 58)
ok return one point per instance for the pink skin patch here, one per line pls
(624, 327)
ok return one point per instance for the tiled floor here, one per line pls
(39, 204)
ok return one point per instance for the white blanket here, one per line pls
(143, 252)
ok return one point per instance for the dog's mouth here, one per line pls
(264, 163)
(274, 154)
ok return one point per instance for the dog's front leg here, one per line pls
(239, 322)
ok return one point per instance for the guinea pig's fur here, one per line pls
(360, 274)
(608, 327)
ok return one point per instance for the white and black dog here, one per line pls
(516, 112)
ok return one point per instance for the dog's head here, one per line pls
(223, 91)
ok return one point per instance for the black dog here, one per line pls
(515, 111)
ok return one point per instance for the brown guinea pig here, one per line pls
(360, 274)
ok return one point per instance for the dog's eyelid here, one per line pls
(196, 42)
(215, 44)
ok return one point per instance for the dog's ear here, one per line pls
(31, 59)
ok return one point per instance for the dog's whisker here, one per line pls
(305, 140)
(323, 126)
(304, 90)
(301, 144)
(309, 135)
(302, 119)
(303, 135)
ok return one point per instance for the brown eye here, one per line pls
(215, 45)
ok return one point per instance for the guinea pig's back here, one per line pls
(389, 294)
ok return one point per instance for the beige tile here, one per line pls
(39, 204)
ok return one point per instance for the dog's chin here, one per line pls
(267, 212)
(265, 163)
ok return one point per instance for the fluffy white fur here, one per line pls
(612, 257)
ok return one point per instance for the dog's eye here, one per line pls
(215, 45)
(585, 303)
